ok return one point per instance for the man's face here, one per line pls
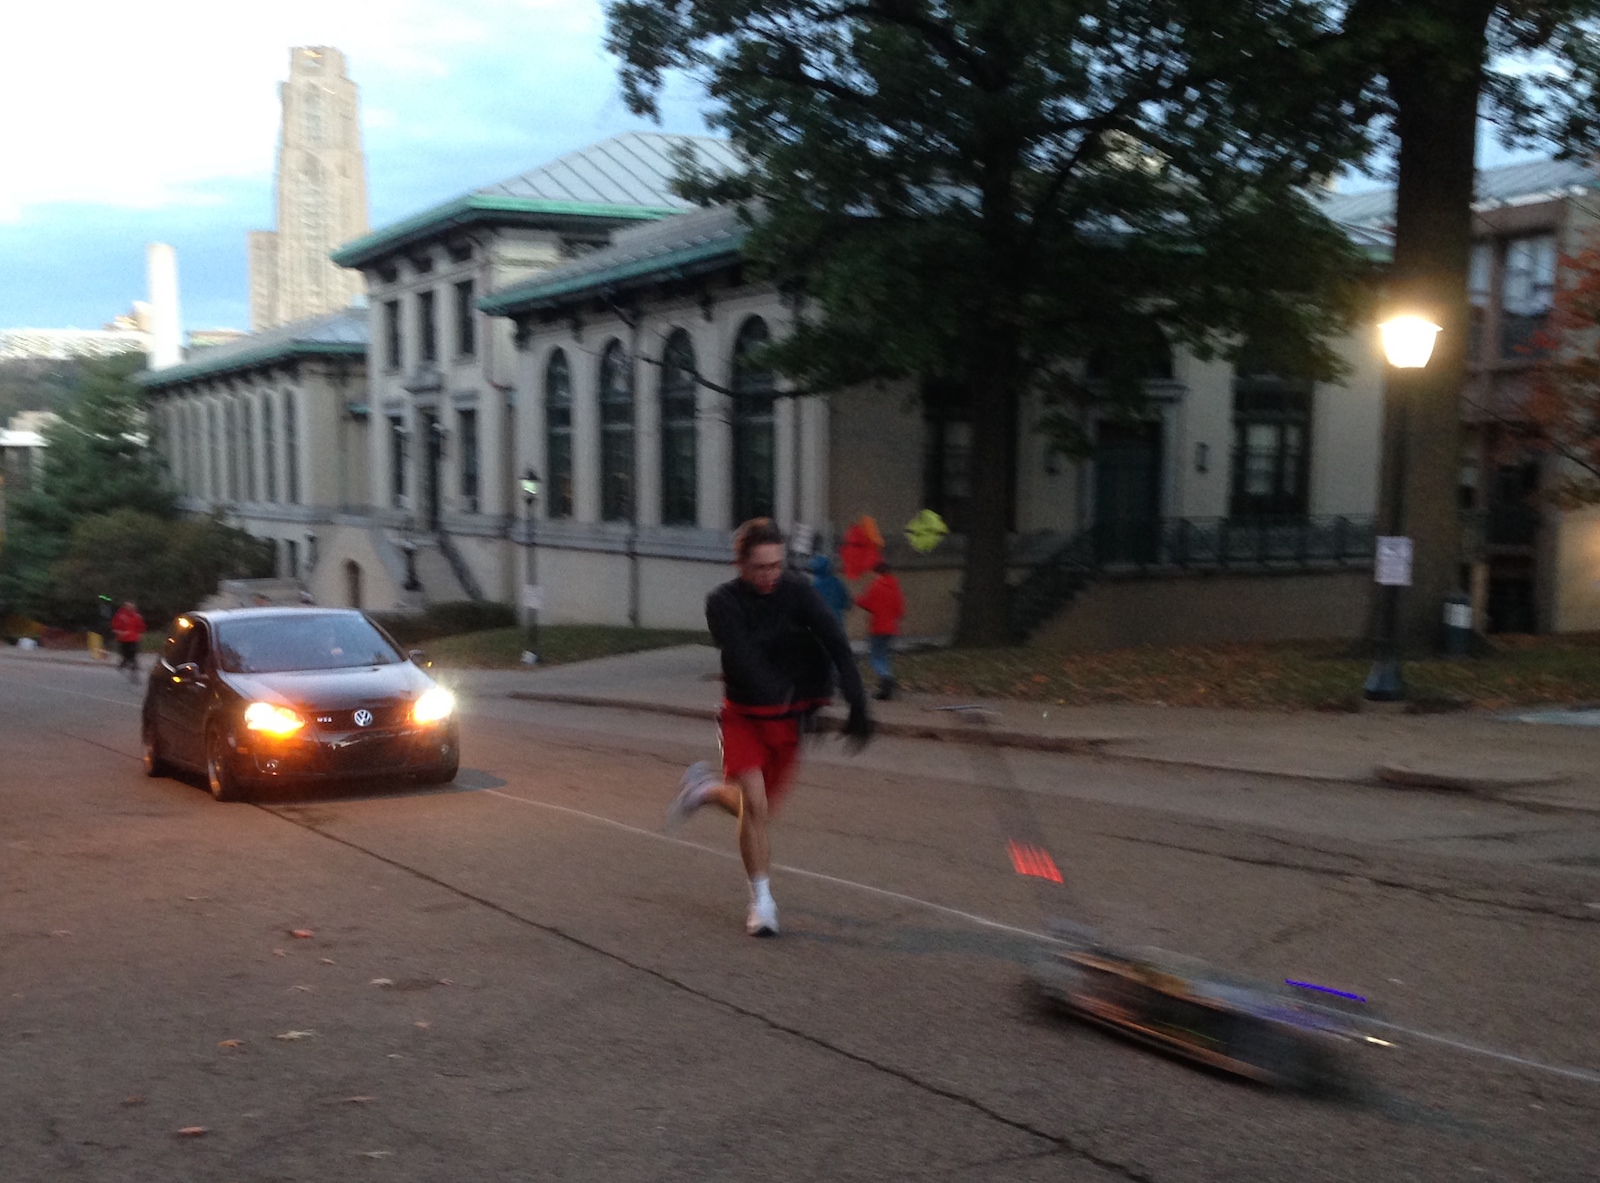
(762, 566)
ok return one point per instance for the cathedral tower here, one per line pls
(322, 195)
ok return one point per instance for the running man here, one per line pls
(780, 645)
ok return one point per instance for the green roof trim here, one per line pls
(483, 207)
(203, 367)
(533, 293)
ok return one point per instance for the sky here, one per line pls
(158, 122)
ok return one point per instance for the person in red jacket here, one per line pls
(127, 628)
(885, 603)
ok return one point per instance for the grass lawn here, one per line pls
(1292, 676)
(501, 648)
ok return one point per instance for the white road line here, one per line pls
(969, 917)
(1582, 1074)
(121, 702)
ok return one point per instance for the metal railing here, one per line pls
(1184, 544)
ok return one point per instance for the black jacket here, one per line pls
(779, 650)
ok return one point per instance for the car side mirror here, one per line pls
(418, 657)
(187, 672)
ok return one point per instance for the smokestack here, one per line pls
(166, 323)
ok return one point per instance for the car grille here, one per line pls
(384, 718)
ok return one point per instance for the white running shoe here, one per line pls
(691, 793)
(763, 918)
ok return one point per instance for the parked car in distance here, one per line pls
(253, 696)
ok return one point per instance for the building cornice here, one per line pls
(480, 208)
(536, 294)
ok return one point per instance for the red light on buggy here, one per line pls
(1028, 859)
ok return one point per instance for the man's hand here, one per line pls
(857, 728)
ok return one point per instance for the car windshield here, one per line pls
(279, 643)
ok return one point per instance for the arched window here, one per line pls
(214, 438)
(754, 442)
(558, 435)
(247, 424)
(616, 434)
(230, 427)
(678, 431)
(269, 445)
(291, 449)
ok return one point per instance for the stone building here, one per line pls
(271, 430)
(321, 195)
(442, 373)
(577, 321)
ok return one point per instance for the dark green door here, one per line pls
(1127, 491)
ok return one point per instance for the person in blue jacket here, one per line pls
(829, 586)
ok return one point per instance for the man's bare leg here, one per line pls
(746, 799)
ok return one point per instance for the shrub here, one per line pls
(448, 619)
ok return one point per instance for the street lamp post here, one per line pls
(530, 591)
(1407, 345)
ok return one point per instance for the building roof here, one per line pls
(625, 178)
(689, 243)
(1510, 184)
(342, 333)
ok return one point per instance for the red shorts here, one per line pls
(751, 743)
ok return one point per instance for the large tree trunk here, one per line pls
(1435, 84)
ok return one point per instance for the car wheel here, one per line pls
(155, 759)
(220, 776)
(441, 775)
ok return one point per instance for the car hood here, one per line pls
(334, 689)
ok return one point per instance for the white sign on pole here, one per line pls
(1392, 567)
(532, 596)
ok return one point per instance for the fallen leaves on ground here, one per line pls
(326, 960)
(302, 934)
(136, 1099)
(423, 1023)
(377, 1154)
(381, 982)
(292, 1035)
(1303, 675)
(191, 1131)
(231, 1043)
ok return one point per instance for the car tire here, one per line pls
(221, 778)
(156, 763)
(441, 775)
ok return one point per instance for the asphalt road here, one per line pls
(521, 977)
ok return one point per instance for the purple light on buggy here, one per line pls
(1324, 989)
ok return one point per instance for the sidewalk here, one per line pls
(1537, 765)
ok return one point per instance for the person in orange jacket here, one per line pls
(885, 604)
(127, 627)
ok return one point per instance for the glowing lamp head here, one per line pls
(433, 705)
(272, 719)
(1408, 341)
(530, 485)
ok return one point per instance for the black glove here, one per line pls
(858, 727)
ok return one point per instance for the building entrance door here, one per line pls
(432, 453)
(1127, 492)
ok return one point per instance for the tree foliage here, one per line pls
(986, 193)
(165, 565)
(97, 460)
(1562, 412)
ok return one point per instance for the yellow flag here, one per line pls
(926, 531)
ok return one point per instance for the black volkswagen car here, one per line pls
(293, 694)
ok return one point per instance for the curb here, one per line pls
(899, 729)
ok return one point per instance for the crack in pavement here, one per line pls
(1059, 1142)
(1434, 894)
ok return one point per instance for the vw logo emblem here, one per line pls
(363, 718)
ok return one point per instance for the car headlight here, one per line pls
(433, 705)
(274, 720)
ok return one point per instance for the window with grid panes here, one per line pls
(616, 434)
(678, 440)
(558, 436)
(755, 450)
